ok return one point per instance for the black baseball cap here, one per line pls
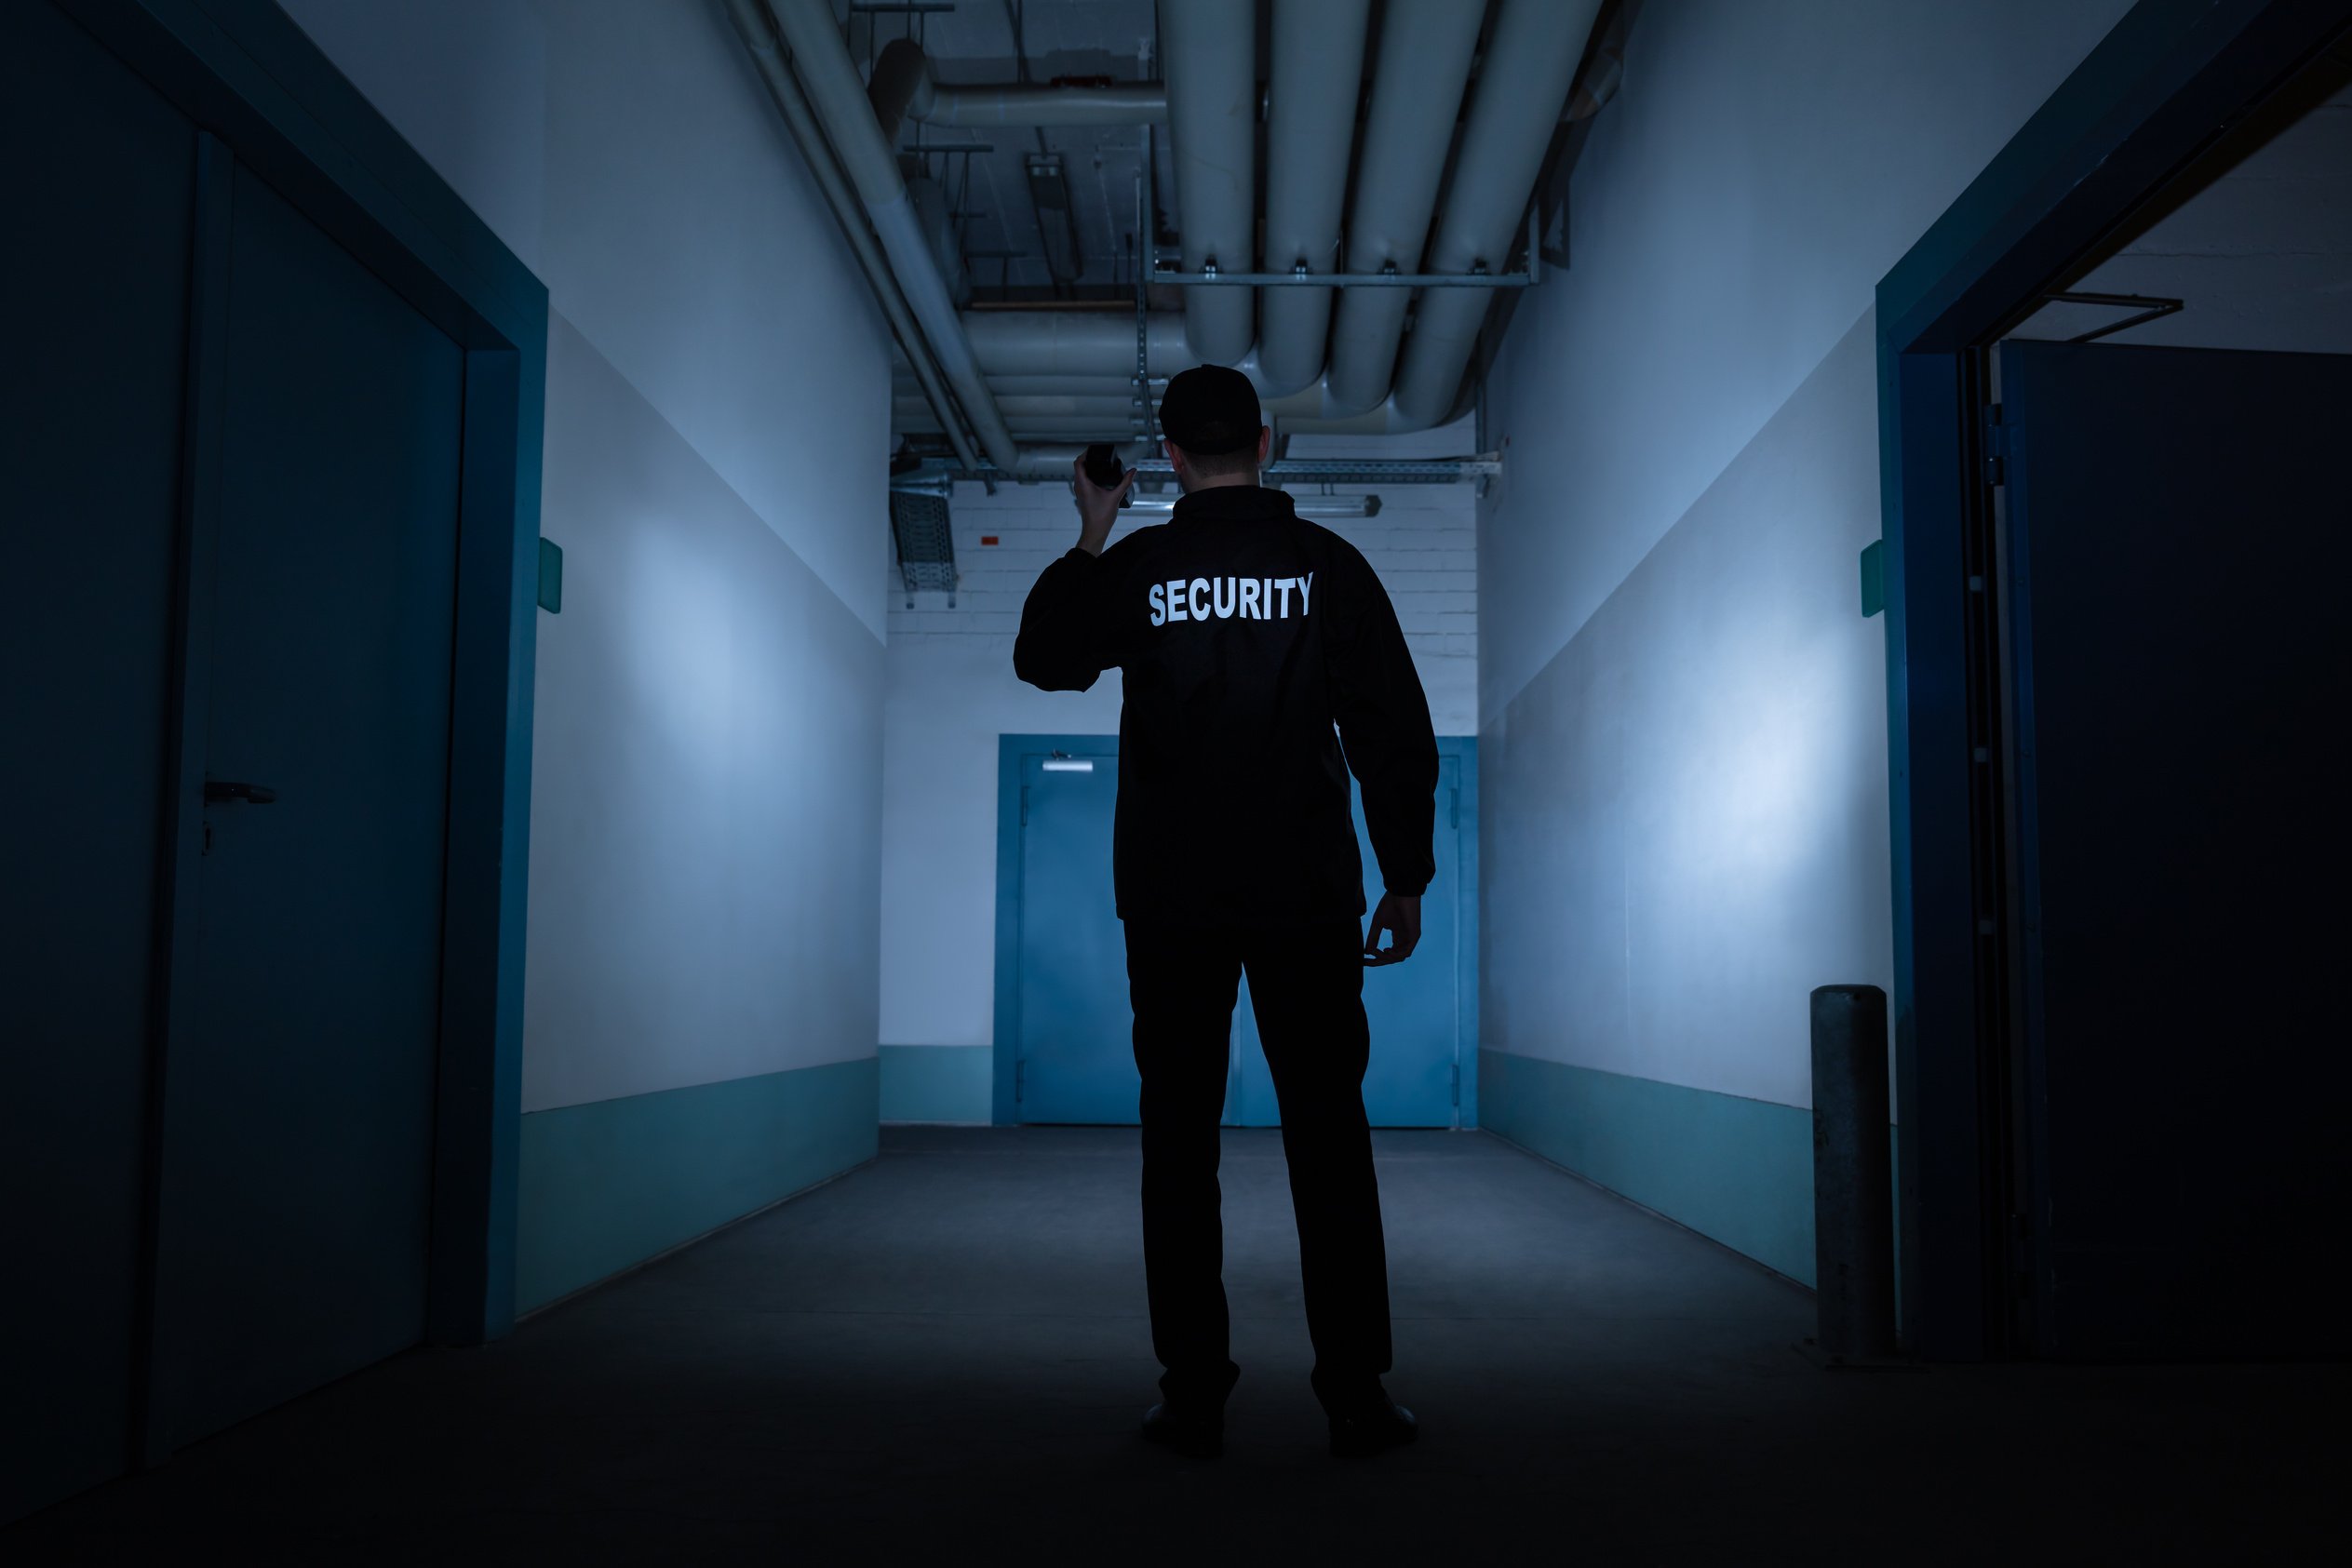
(1210, 409)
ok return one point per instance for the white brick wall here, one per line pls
(1423, 544)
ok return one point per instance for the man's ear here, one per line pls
(1265, 443)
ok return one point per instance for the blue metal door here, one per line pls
(1074, 1057)
(1414, 1007)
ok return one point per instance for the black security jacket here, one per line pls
(1245, 633)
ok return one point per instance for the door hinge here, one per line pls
(1020, 1075)
(1457, 1086)
(1995, 445)
(1025, 804)
(1454, 811)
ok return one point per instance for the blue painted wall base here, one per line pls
(1739, 1171)
(936, 1082)
(607, 1185)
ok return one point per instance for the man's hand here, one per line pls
(1097, 508)
(1400, 917)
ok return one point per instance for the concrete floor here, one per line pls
(941, 1356)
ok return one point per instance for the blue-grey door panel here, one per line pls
(298, 1126)
(1076, 1060)
(1414, 1008)
(97, 264)
(1075, 1053)
(2179, 527)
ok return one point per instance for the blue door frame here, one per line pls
(1010, 749)
(267, 99)
(2172, 78)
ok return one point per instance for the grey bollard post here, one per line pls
(1853, 1175)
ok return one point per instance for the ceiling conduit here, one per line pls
(760, 39)
(1310, 129)
(1067, 376)
(1417, 90)
(902, 89)
(1090, 343)
(1521, 88)
(821, 60)
(1209, 49)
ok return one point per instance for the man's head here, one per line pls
(1215, 433)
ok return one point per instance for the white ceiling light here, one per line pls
(1316, 506)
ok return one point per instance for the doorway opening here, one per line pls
(2106, 822)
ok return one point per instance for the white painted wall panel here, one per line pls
(705, 807)
(1762, 166)
(1685, 766)
(1686, 810)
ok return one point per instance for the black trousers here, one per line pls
(1306, 986)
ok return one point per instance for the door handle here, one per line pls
(220, 793)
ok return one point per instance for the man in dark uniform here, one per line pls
(1246, 634)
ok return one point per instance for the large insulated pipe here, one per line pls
(760, 39)
(1077, 409)
(1521, 88)
(1417, 90)
(1317, 72)
(822, 61)
(1046, 342)
(1210, 51)
(903, 89)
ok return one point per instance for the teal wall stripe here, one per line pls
(938, 1083)
(608, 1184)
(1737, 1170)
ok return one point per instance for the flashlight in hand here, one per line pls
(1104, 471)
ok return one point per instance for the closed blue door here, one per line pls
(1074, 1057)
(1076, 1060)
(1414, 1007)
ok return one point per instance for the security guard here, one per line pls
(1246, 634)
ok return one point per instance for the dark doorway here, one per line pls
(2111, 854)
(297, 1123)
(2178, 847)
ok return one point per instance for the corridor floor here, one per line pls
(941, 1356)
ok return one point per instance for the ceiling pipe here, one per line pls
(1417, 90)
(1090, 410)
(902, 384)
(1060, 354)
(902, 89)
(1078, 344)
(760, 39)
(1521, 88)
(1209, 49)
(822, 62)
(1310, 129)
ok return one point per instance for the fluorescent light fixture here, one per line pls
(1308, 506)
(1067, 765)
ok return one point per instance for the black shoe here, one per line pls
(1189, 1433)
(1372, 1429)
